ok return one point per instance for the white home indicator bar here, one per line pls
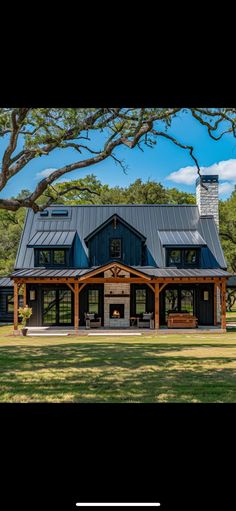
(118, 504)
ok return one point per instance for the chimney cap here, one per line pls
(207, 179)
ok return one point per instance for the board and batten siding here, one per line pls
(4, 316)
(99, 246)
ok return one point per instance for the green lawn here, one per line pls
(154, 369)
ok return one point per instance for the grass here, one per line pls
(154, 369)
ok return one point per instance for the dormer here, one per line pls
(116, 240)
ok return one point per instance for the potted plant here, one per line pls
(24, 314)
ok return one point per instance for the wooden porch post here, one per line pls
(15, 306)
(156, 306)
(223, 304)
(215, 304)
(76, 307)
(24, 295)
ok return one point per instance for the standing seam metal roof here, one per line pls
(147, 219)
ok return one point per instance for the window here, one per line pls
(44, 257)
(93, 301)
(59, 256)
(49, 257)
(183, 258)
(187, 296)
(174, 256)
(115, 248)
(190, 257)
(9, 304)
(140, 301)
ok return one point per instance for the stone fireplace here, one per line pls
(117, 298)
(117, 310)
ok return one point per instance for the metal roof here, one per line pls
(6, 282)
(52, 239)
(190, 238)
(151, 271)
(147, 219)
(183, 272)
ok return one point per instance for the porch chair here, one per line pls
(92, 320)
(146, 321)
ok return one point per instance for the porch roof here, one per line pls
(6, 282)
(150, 271)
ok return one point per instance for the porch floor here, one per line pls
(67, 331)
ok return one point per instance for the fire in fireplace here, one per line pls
(117, 310)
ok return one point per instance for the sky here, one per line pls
(165, 163)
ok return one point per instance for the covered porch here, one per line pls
(65, 293)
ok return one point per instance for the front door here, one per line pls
(57, 307)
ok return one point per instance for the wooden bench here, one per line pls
(182, 320)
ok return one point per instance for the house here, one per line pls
(6, 300)
(121, 262)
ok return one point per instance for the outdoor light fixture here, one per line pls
(206, 295)
(32, 294)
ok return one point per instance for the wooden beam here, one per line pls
(215, 303)
(162, 287)
(25, 295)
(156, 306)
(81, 287)
(223, 304)
(76, 308)
(15, 306)
(71, 287)
(117, 265)
(152, 286)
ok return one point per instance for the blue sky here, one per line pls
(165, 163)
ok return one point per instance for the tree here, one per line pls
(11, 222)
(29, 133)
(228, 230)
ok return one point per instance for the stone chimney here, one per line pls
(208, 196)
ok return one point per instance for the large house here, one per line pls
(123, 265)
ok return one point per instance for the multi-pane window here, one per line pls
(115, 248)
(51, 257)
(93, 301)
(174, 256)
(190, 256)
(140, 301)
(44, 257)
(59, 256)
(183, 258)
(10, 303)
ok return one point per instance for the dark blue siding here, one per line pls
(131, 245)
(4, 316)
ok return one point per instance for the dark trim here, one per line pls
(57, 290)
(51, 253)
(121, 248)
(182, 263)
(108, 221)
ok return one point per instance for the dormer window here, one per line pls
(183, 258)
(51, 257)
(115, 248)
(174, 257)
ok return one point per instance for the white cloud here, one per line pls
(225, 169)
(45, 173)
(226, 188)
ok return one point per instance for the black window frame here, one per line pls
(141, 301)
(97, 303)
(9, 301)
(110, 242)
(51, 252)
(183, 263)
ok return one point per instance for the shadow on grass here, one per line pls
(114, 373)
